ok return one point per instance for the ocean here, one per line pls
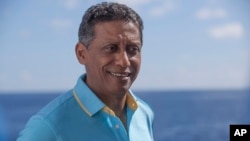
(179, 115)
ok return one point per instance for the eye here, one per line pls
(110, 48)
(133, 50)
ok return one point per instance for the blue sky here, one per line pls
(197, 44)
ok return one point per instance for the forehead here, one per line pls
(117, 29)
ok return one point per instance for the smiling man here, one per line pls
(101, 106)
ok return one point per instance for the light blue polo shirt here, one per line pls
(79, 115)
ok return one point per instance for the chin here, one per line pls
(121, 90)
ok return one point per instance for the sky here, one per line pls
(194, 44)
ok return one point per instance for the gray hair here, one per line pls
(103, 12)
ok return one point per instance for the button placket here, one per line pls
(119, 129)
(117, 126)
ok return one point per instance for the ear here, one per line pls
(81, 53)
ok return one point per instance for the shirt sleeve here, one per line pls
(37, 129)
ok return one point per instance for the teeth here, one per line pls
(119, 74)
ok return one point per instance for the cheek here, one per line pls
(137, 62)
(98, 63)
(92, 64)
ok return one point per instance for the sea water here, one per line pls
(179, 115)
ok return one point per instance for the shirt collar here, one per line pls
(86, 98)
(131, 101)
(91, 104)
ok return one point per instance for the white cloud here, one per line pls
(162, 9)
(71, 4)
(206, 13)
(3, 78)
(61, 23)
(25, 34)
(184, 77)
(230, 30)
(25, 76)
(133, 3)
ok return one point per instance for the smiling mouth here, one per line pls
(120, 74)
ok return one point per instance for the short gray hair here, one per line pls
(103, 12)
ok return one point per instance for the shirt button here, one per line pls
(117, 126)
(133, 105)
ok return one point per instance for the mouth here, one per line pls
(120, 74)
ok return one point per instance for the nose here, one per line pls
(122, 59)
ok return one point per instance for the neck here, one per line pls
(118, 105)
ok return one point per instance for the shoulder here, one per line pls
(37, 129)
(56, 104)
(144, 117)
(145, 107)
(42, 125)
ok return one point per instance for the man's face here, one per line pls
(113, 58)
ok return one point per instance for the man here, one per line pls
(100, 107)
